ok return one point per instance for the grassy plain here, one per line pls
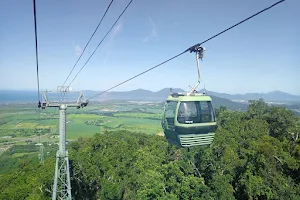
(25, 123)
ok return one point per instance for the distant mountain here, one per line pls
(166, 91)
(276, 96)
(231, 105)
(139, 94)
(232, 102)
(280, 96)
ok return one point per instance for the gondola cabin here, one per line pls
(189, 120)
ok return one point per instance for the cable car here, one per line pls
(189, 118)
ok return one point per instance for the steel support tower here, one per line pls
(62, 182)
(41, 152)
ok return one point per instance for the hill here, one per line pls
(231, 101)
(276, 96)
(137, 95)
(231, 105)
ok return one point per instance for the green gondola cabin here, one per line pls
(189, 120)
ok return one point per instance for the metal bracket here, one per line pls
(197, 49)
(199, 55)
(63, 89)
(78, 103)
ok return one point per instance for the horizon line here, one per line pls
(35, 90)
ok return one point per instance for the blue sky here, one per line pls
(260, 55)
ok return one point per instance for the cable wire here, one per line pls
(138, 75)
(88, 42)
(100, 42)
(189, 48)
(36, 54)
(242, 21)
(37, 70)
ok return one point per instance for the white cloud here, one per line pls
(107, 48)
(112, 36)
(116, 30)
(78, 50)
(153, 32)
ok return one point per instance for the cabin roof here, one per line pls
(182, 97)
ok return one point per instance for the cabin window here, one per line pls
(191, 112)
(170, 109)
(170, 112)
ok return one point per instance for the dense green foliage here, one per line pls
(25, 178)
(21, 132)
(255, 155)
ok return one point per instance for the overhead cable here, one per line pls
(36, 55)
(101, 42)
(88, 42)
(189, 49)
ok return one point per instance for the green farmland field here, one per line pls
(78, 128)
(20, 124)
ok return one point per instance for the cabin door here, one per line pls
(169, 120)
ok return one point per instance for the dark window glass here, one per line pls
(170, 109)
(170, 114)
(190, 112)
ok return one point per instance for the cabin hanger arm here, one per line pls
(199, 55)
